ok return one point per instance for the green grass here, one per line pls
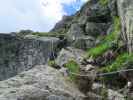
(23, 33)
(116, 29)
(72, 67)
(119, 63)
(52, 34)
(104, 2)
(97, 51)
(122, 61)
(107, 42)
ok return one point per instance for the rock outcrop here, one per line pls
(20, 54)
(40, 83)
(125, 8)
(69, 54)
(91, 21)
(25, 75)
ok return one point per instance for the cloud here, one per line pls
(37, 15)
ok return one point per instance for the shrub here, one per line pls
(103, 2)
(97, 51)
(119, 62)
(22, 33)
(52, 63)
(107, 42)
(72, 67)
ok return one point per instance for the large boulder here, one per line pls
(40, 83)
(105, 93)
(69, 54)
(114, 95)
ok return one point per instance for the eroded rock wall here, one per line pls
(125, 8)
(17, 54)
(92, 20)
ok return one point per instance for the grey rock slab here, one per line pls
(39, 83)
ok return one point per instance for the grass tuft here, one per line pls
(119, 62)
(104, 2)
(72, 67)
(52, 34)
(107, 42)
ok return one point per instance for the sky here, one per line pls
(36, 15)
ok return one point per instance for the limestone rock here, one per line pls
(113, 95)
(97, 88)
(88, 75)
(83, 20)
(95, 29)
(20, 54)
(96, 12)
(74, 32)
(93, 96)
(68, 54)
(84, 42)
(40, 83)
(125, 8)
(63, 25)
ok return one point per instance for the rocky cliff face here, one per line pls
(125, 8)
(92, 20)
(95, 27)
(17, 54)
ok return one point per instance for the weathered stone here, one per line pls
(74, 32)
(125, 8)
(63, 25)
(83, 20)
(96, 12)
(112, 4)
(93, 96)
(96, 29)
(40, 83)
(97, 88)
(86, 78)
(68, 54)
(84, 42)
(17, 54)
(114, 95)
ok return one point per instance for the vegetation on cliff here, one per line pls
(73, 67)
(23, 33)
(97, 28)
(104, 2)
(107, 41)
(119, 63)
